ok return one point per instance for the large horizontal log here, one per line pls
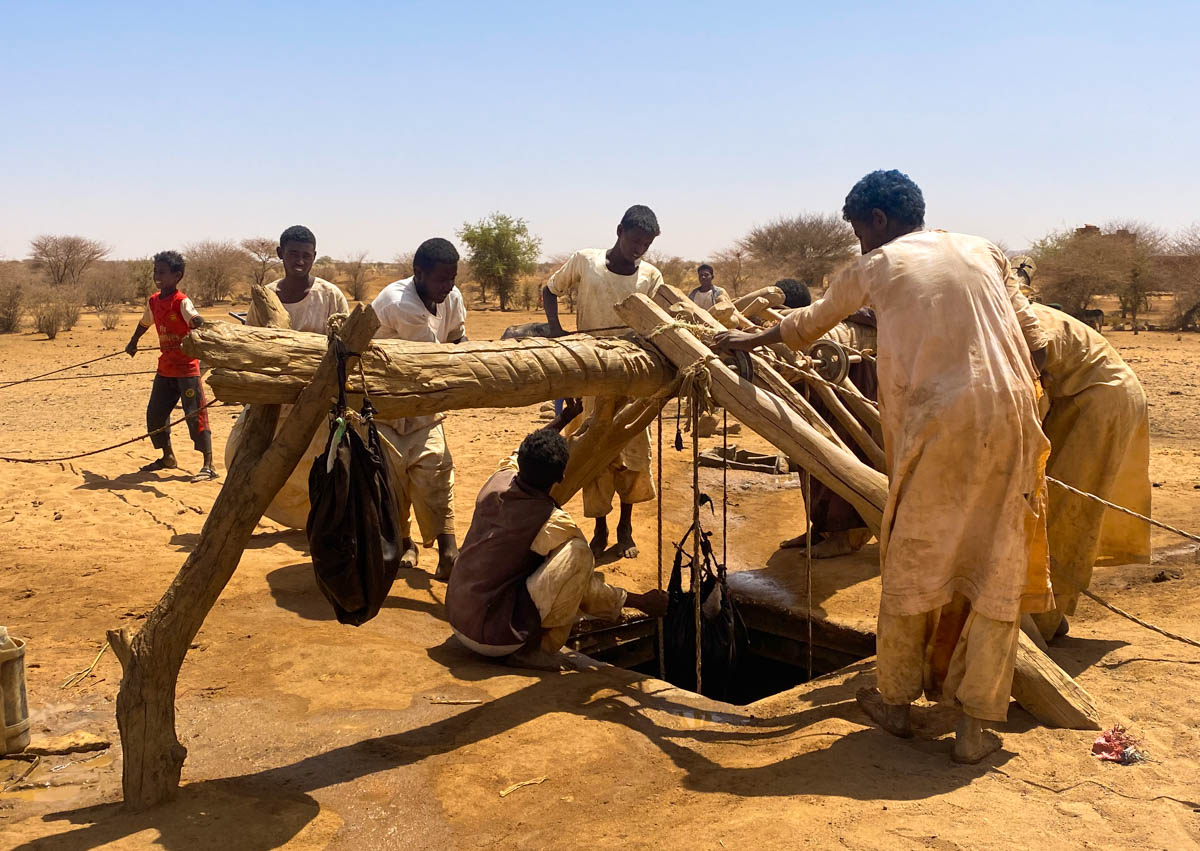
(271, 366)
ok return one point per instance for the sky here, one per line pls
(152, 125)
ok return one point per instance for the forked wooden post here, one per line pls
(151, 658)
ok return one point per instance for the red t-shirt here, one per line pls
(168, 313)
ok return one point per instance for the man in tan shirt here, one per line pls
(600, 278)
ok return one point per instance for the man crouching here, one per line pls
(525, 571)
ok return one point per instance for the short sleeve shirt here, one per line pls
(597, 289)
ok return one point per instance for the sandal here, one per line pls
(206, 474)
(154, 466)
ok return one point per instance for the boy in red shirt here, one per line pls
(178, 377)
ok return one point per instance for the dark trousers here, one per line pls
(163, 396)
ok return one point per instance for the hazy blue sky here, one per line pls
(149, 125)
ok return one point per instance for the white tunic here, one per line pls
(597, 289)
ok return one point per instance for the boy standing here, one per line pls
(706, 295)
(601, 278)
(425, 308)
(308, 300)
(178, 376)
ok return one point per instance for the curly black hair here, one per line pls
(795, 293)
(704, 266)
(433, 252)
(891, 191)
(298, 233)
(173, 259)
(542, 458)
(642, 218)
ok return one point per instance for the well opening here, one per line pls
(776, 657)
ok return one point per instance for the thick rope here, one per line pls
(662, 650)
(6, 385)
(696, 533)
(1138, 620)
(185, 417)
(1124, 510)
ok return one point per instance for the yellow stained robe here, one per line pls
(965, 451)
(1099, 434)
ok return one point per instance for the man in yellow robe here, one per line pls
(1099, 434)
(962, 544)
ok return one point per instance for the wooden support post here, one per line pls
(151, 658)
(1049, 693)
(838, 469)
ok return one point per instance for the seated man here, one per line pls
(525, 571)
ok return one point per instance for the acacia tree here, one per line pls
(806, 246)
(1073, 267)
(214, 268)
(64, 259)
(356, 267)
(733, 269)
(1185, 276)
(501, 250)
(262, 255)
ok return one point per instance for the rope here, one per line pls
(703, 332)
(808, 559)
(662, 650)
(90, 375)
(1124, 510)
(167, 427)
(1139, 621)
(6, 385)
(696, 533)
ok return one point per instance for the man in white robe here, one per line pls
(425, 308)
(599, 279)
(962, 545)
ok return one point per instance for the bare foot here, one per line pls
(626, 548)
(893, 718)
(409, 558)
(599, 541)
(796, 543)
(840, 544)
(537, 659)
(167, 462)
(446, 559)
(971, 743)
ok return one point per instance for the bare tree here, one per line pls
(404, 264)
(65, 258)
(107, 285)
(807, 246)
(357, 269)
(1184, 273)
(214, 268)
(733, 269)
(263, 259)
(676, 271)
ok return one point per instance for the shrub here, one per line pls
(12, 302)
(110, 317)
(54, 310)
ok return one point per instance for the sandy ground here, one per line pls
(306, 734)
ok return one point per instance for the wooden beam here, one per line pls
(150, 659)
(765, 413)
(271, 366)
(1049, 693)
